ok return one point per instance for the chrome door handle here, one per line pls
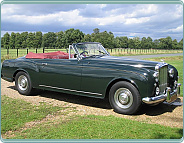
(44, 64)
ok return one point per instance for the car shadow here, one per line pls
(159, 109)
(104, 104)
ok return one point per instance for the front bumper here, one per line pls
(168, 96)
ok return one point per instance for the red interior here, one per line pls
(51, 55)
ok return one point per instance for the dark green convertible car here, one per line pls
(89, 70)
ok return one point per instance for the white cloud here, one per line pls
(137, 20)
(177, 29)
(144, 10)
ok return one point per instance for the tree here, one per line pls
(137, 42)
(60, 40)
(165, 43)
(181, 44)
(175, 44)
(72, 36)
(30, 40)
(6, 40)
(156, 43)
(12, 40)
(131, 43)
(24, 36)
(149, 43)
(18, 41)
(117, 42)
(38, 39)
(49, 40)
(169, 42)
(96, 31)
(87, 38)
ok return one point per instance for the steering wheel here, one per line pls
(83, 53)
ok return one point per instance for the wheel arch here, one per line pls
(112, 82)
(19, 70)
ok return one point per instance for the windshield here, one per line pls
(91, 49)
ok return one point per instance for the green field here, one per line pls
(16, 112)
(13, 53)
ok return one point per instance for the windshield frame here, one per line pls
(81, 57)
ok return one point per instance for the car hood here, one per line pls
(130, 62)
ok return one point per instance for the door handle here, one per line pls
(44, 64)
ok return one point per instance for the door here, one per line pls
(64, 74)
(95, 77)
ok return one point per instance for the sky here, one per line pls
(131, 20)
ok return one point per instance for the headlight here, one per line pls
(157, 67)
(171, 72)
(156, 74)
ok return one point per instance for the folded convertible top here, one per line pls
(51, 55)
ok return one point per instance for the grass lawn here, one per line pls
(15, 113)
(101, 127)
(177, 62)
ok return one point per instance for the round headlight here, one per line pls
(156, 67)
(155, 74)
(171, 72)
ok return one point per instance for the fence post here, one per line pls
(17, 52)
(8, 51)
(36, 50)
(43, 50)
(27, 51)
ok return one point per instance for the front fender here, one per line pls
(143, 81)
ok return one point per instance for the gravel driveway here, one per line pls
(164, 114)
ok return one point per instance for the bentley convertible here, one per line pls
(89, 70)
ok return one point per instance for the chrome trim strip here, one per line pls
(70, 90)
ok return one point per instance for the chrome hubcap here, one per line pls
(123, 98)
(22, 82)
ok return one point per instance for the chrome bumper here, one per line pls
(169, 96)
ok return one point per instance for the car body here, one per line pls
(89, 70)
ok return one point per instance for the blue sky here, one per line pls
(141, 20)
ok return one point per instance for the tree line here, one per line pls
(63, 39)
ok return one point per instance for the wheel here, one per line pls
(124, 98)
(23, 83)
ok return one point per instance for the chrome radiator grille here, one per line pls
(163, 78)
